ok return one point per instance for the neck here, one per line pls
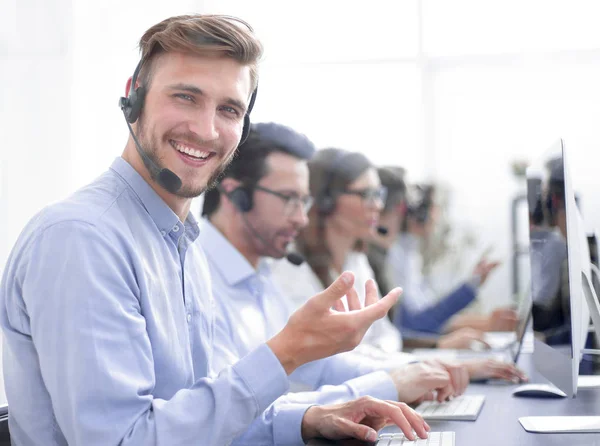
(179, 205)
(339, 246)
(232, 227)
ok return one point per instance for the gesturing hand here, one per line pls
(323, 327)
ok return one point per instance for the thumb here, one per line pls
(338, 289)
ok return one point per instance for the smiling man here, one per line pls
(106, 302)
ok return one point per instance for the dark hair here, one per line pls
(331, 171)
(392, 177)
(250, 162)
(420, 200)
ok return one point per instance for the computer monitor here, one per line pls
(560, 270)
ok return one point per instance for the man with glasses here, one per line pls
(252, 215)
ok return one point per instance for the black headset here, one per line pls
(133, 103)
(325, 200)
(419, 209)
(241, 197)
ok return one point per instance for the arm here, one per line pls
(433, 318)
(96, 357)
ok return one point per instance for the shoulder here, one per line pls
(92, 212)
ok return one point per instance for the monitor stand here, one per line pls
(574, 424)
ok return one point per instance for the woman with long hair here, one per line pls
(349, 198)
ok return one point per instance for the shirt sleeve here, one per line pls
(96, 359)
(282, 422)
(433, 318)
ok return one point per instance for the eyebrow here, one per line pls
(195, 90)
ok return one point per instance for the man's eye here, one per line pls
(185, 97)
(230, 110)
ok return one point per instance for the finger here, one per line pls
(444, 393)
(339, 288)
(395, 413)
(338, 305)
(379, 309)
(353, 300)
(429, 396)
(455, 379)
(349, 429)
(371, 295)
(414, 419)
(462, 379)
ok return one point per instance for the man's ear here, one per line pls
(128, 86)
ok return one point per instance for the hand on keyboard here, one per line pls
(361, 419)
(493, 369)
(434, 439)
(459, 374)
(420, 381)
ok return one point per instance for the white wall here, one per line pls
(35, 112)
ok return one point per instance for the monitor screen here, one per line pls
(559, 256)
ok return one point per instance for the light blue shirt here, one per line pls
(108, 322)
(252, 310)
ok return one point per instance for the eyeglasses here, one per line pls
(292, 202)
(369, 195)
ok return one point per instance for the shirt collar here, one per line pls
(232, 265)
(163, 216)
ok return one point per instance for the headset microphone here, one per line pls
(165, 177)
(382, 230)
(295, 258)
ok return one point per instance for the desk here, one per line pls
(4, 435)
(498, 425)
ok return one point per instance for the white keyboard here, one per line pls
(464, 407)
(434, 439)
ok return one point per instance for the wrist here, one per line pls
(309, 423)
(284, 351)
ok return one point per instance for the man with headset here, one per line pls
(253, 215)
(106, 304)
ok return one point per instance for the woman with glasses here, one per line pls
(348, 200)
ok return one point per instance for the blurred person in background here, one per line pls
(349, 198)
(420, 308)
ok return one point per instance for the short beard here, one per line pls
(150, 148)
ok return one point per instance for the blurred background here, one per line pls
(455, 91)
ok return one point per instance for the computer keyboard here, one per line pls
(464, 408)
(434, 439)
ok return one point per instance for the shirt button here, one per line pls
(175, 228)
(163, 233)
(189, 317)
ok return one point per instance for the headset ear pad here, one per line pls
(245, 129)
(326, 204)
(134, 103)
(241, 198)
